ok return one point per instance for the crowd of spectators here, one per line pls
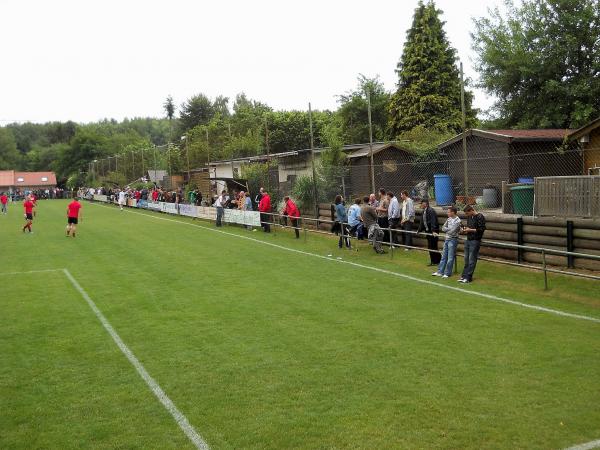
(49, 193)
(382, 218)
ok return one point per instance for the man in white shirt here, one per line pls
(408, 218)
(121, 199)
(393, 216)
(219, 204)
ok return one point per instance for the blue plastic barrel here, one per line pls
(525, 180)
(443, 189)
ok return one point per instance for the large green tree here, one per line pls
(353, 112)
(541, 61)
(197, 110)
(428, 92)
(9, 156)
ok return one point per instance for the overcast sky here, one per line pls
(85, 60)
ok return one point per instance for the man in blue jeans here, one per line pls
(452, 228)
(474, 231)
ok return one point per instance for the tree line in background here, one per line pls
(540, 60)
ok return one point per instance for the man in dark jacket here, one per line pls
(429, 225)
(474, 231)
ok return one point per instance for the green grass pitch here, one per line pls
(260, 347)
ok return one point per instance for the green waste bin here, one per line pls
(522, 199)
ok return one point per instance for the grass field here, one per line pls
(262, 347)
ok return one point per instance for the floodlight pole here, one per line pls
(464, 133)
(372, 167)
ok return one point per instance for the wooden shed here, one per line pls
(495, 156)
(392, 168)
(588, 137)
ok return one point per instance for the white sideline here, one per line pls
(387, 272)
(181, 420)
(31, 271)
(586, 446)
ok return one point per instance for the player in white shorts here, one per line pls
(121, 199)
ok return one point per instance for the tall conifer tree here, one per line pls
(428, 94)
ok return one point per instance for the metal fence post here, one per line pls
(570, 245)
(545, 271)
(391, 244)
(304, 229)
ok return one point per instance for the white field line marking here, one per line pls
(388, 272)
(181, 420)
(31, 271)
(586, 446)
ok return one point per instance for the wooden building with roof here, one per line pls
(588, 137)
(494, 156)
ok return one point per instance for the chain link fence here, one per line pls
(489, 179)
(521, 176)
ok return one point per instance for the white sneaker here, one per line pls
(445, 276)
(436, 274)
(461, 280)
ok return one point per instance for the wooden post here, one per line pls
(520, 240)
(371, 166)
(312, 161)
(464, 126)
(570, 244)
(545, 271)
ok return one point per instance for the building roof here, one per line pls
(348, 149)
(510, 136)
(586, 129)
(27, 179)
(156, 175)
(364, 151)
(7, 177)
(34, 179)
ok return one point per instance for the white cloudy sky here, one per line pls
(85, 60)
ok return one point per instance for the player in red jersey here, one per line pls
(3, 202)
(73, 216)
(29, 207)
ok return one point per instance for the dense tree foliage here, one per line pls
(428, 92)
(542, 62)
(353, 111)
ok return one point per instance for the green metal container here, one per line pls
(522, 199)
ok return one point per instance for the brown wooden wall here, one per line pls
(487, 163)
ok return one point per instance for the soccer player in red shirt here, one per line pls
(3, 202)
(73, 216)
(291, 210)
(28, 206)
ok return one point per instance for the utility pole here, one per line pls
(464, 135)
(143, 168)
(208, 157)
(169, 158)
(154, 149)
(267, 135)
(312, 159)
(132, 164)
(372, 167)
(187, 154)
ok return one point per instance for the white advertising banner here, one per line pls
(188, 210)
(169, 208)
(154, 206)
(206, 212)
(100, 198)
(242, 217)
